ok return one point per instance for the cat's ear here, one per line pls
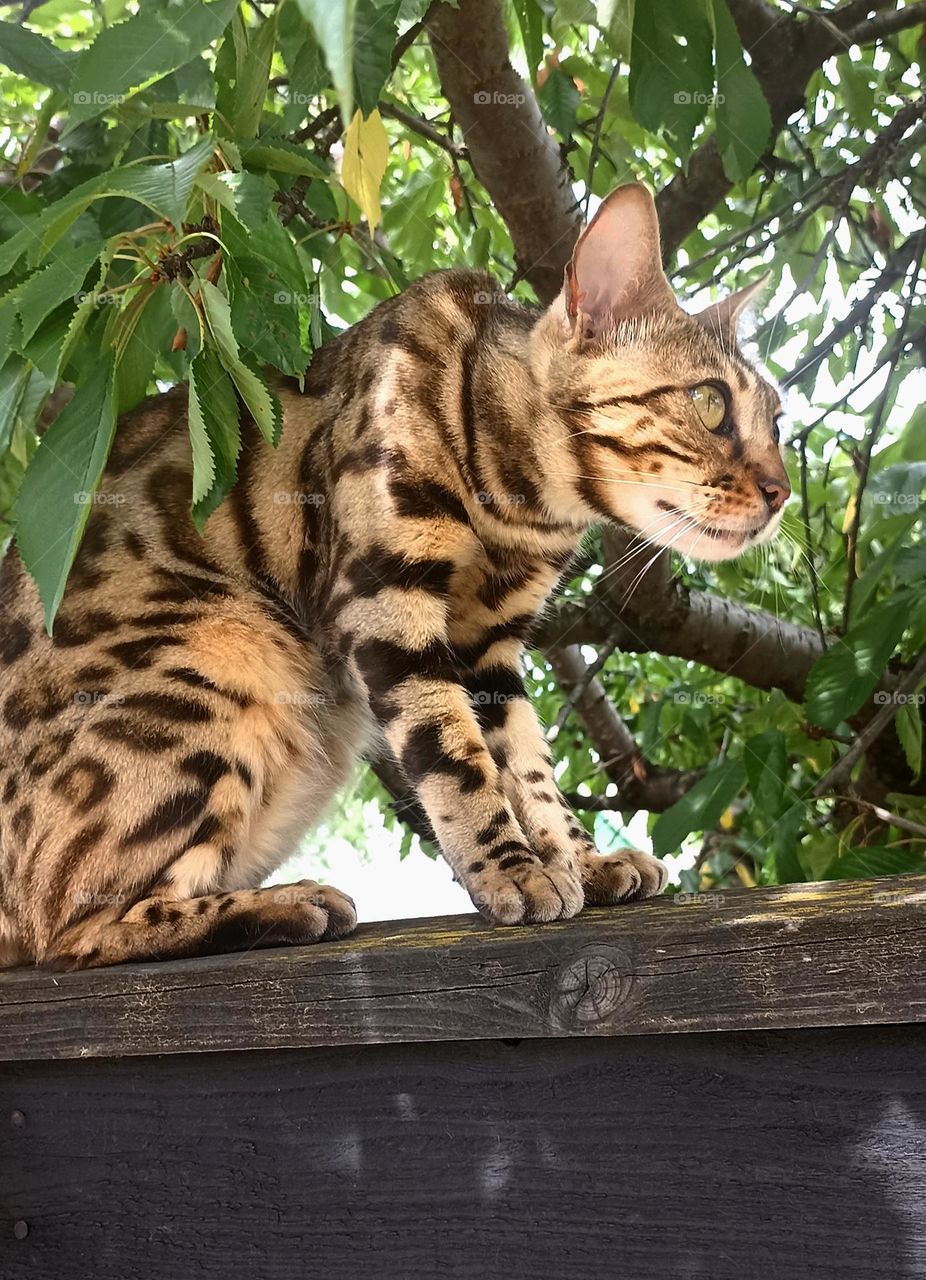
(722, 318)
(616, 268)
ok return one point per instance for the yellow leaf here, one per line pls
(633, 704)
(366, 153)
(727, 819)
(850, 514)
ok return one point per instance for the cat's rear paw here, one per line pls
(620, 877)
(532, 894)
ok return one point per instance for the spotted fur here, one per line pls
(202, 699)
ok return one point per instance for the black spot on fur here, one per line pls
(178, 810)
(15, 639)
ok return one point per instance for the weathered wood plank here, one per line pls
(812, 955)
(794, 1155)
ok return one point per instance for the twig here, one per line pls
(885, 815)
(425, 129)
(877, 724)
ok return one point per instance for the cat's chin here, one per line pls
(716, 543)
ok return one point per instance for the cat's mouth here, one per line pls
(706, 541)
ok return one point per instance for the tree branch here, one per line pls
(640, 784)
(513, 153)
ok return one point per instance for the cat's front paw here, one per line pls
(530, 894)
(609, 878)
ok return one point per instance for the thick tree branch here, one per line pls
(734, 639)
(512, 151)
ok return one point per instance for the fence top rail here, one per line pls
(837, 953)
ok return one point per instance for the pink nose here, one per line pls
(775, 492)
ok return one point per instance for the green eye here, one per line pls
(710, 406)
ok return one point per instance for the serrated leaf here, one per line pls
(333, 24)
(844, 676)
(700, 808)
(744, 122)
(33, 56)
(279, 156)
(872, 861)
(59, 485)
(14, 380)
(53, 284)
(366, 154)
(147, 45)
(671, 83)
(374, 39)
(263, 407)
(163, 188)
(909, 725)
(766, 761)
(214, 431)
(559, 101)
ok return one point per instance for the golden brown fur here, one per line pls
(202, 700)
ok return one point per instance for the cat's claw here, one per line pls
(623, 876)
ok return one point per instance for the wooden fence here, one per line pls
(725, 1086)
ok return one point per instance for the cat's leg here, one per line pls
(185, 785)
(428, 719)
(164, 927)
(516, 739)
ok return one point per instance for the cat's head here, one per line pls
(669, 429)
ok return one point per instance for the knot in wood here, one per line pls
(588, 987)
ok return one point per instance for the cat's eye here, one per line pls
(710, 405)
(776, 427)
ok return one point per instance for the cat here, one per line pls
(203, 699)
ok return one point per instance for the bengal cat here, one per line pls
(202, 700)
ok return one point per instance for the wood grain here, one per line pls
(795, 1155)
(831, 954)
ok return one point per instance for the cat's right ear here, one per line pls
(616, 269)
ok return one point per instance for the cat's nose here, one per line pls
(775, 492)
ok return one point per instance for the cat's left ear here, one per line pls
(616, 273)
(722, 318)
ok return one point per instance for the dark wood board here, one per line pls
(804, 955)
(790, 1155)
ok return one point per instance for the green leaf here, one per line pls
(51, 285)
(241, 95)
(700, 808)
(559, 101)
(766, 761)
(60, 483)
(215, 435)
(530, 21)
(744, 122)
(279, 156)
(149, 336)
(874, 860)
(163, 188)
(909, 725)
(31, 55)
(374, 39)
(263, 407)
(14, 380)
(671, 83)
(333, 24)
(147, 45)
(843, 677)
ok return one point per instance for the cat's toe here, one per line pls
(621, 877)
(530, 895)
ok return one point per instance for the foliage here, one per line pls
(195, 192)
